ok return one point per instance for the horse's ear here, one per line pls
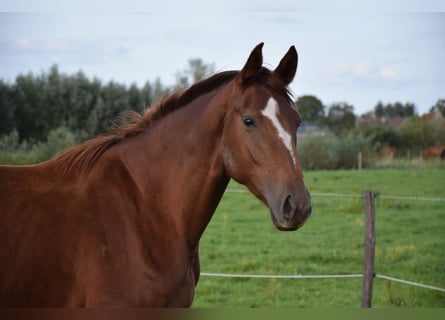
(253, 64)
(288, 66)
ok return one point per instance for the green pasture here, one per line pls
(410, 244)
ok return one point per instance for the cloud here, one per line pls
(364, 71)
(25, 44)
(360, 69)
(83, 49)
(387, 73)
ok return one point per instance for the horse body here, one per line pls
(107, 245)
(435, 152)
(117, 221)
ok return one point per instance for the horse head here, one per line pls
(259, 139)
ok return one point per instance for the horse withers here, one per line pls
(116, 221)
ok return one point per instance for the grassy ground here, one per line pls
(410, 240)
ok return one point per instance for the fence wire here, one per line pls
(333, 276)
(356, 195)
(316, 276)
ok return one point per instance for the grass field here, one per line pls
(410, 244)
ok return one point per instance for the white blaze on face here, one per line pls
(271, 111)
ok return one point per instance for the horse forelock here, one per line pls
(272, 82)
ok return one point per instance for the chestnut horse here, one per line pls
(116, 221)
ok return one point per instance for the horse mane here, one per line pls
(131, 123)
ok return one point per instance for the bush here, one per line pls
(420, 133)
(12, 151)
(329, 151)
(58, 140)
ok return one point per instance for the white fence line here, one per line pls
(280, 276)
(322, 194)
(410, 282)
(316, 276)
(349, 195)
(413, 198)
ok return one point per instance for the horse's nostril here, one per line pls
(288, 207)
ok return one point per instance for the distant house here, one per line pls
(433, 115)
(393, 122)
(312, 128)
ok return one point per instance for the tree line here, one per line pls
(341, 135)
(413, 131)
(36, 104)
(41, 114)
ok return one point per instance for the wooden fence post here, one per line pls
(369, 245)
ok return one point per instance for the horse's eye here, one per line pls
(249, 122)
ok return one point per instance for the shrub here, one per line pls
(419, 133)
(329, 151)
(12, 151)
(58, 140)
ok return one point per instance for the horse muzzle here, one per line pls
(290, 212)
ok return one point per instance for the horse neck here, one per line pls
(178, 166)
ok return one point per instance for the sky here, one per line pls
(358, 52)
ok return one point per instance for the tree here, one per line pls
(82, 95)
(135, 98)
(396, 109)
(310, 108)
(7, 108)
(340, 117)
(439, 106)
(380, 135)
(115, 101)
(158, 90)
(379, 109)
(197, 70)
(29, 98)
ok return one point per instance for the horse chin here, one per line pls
(281, 228)
(284, 226)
